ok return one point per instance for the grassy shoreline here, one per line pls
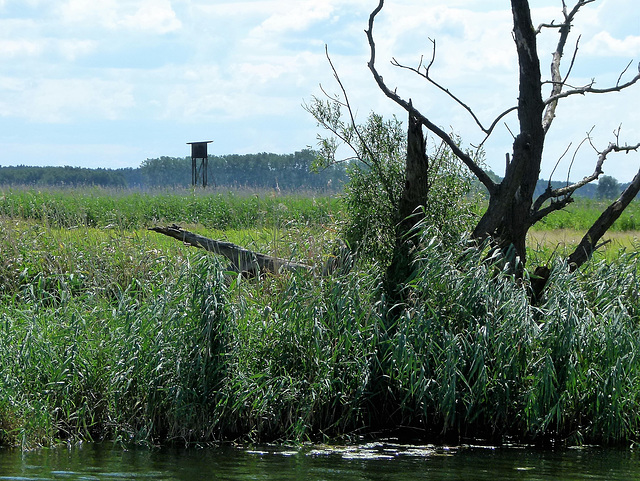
(122, 334)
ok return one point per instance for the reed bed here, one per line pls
(129, 209)
(581, 215)
(132, 338)
(110, 332)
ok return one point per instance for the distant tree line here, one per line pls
(607, 188)
(287, 172)
(260, 171)
(61, 176)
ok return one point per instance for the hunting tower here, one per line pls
(199, 169)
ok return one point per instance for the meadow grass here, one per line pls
(127, 209)
(122, 334)
(544, 245)
(581, 214)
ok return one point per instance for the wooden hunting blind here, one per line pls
(199, 170)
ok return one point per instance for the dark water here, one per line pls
(368, 462)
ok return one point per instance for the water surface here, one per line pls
(376, 461)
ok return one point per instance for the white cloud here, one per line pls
(67, 100)
(71, 49)
(68, 49)
(89, 12)
(153, 16)
(604, 44)
(273, 85)
(243, 67)
(156, 16)
(109, 154)
(20, 48)
(295, 16)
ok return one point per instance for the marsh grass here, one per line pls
(490, 362)
(126, 209)
(581, 215)
(547, 244)
(125, 335)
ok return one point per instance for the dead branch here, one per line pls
(242, 260)
(463, 156)
(486, 130)
(589, 242)
(364, 144)
(557, 80)
(588, 89)
(556, 77)
(567, 191)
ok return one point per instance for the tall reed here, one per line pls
(108, 336)
(473, 355)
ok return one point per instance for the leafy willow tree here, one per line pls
(379, 215)
(513, 208)
(608, 187)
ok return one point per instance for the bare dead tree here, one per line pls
(512, 209)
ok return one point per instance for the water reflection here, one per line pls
(377, 461)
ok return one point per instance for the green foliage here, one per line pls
(376, 180)
(130, 336)
(451, 203)
(290, 172)
(581, 214)
(374, 187)
(131, 209)
(473, 355)
(608, 188)
(61, 176)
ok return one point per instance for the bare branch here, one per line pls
(625, 71)
(589, 242)
(426, 75)
(363, 143)
(575, 154)
(573, 61)
(342, 137)
(333, 98)
(588, 89)
(553, 207)
(556, 76)
(568, 190)
(547, 25)
(463, 156)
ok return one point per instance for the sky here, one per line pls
(110, 83)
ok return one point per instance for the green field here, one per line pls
(112, 332)
(125, 209)
(581, 214)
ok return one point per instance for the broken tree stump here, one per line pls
(242, 260)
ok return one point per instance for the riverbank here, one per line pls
(111, 332)
(119, 335)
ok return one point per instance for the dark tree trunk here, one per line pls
(410, 208)
(512, 210)
(509, 216)
(416, 186)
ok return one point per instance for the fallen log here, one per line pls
(242, 260)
